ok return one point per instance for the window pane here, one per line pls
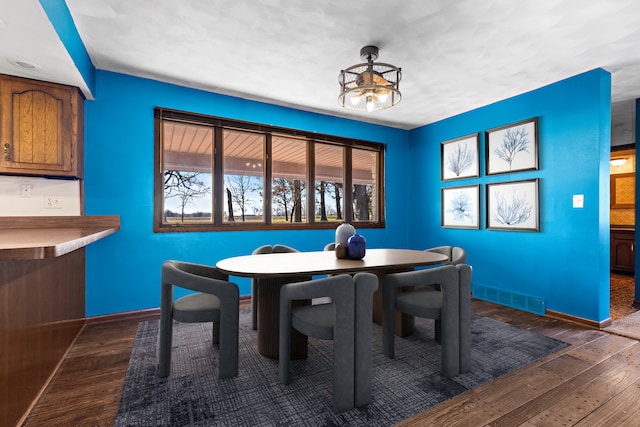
(243, 176)
(329, 180)
(365, 185)
(289, 185)
(187, 173)
(211, 171)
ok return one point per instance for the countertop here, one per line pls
(28, 238)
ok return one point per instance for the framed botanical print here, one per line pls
(512, 148)
(460, 207)
(459, 158)
(513, 206)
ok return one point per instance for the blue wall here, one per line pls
(123, 270)
(567, 262)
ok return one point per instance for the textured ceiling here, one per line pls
(456, 55)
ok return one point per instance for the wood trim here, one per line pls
(127, 315)
(14, 222)
(582, 321)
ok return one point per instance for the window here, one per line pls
(329, 174)
(187, 174)
(243, 163)
(289, 180)
(219, 174)
(364, 177)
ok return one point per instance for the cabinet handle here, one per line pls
(633, 247)
(7, 155)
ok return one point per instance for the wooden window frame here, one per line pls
(311, 138)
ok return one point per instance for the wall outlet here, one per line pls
(52, 202)
(26, 190)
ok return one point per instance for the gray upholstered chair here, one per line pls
(451, 305)
(455, 254)
(216, 300)
(330, 247)
(346, 321)
(255, 283)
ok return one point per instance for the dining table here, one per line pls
(274, 270)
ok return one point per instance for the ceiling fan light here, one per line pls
(355, 100)
(369, 86)
(383, 96)
(370, 105)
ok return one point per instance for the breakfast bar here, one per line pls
(42, 299)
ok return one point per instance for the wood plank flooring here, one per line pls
(593, 382)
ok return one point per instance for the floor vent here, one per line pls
(510, 299)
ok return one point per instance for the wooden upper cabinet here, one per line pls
(41, 129)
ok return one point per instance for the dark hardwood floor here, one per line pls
(595, 381)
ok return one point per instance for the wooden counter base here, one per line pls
(42, 300)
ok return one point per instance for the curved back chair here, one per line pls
(216, 300)
(455, 254)
(346, 321)
(255, 283)
(450, 305)
(330, 247)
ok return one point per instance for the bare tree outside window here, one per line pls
(287, 194)
(362, 202)
(241, 188)
(296, 211)
(185, 186)
(336, 195)
(282, 195)
(323, 205)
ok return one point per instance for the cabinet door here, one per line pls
(622, 252)
(39, 128)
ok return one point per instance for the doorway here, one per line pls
(622, 220)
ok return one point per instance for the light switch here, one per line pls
(578, 200)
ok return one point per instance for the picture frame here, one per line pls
(459, 158)
(460, 207)
(512, 148)
(513, 205)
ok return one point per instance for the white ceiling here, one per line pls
(456, 55)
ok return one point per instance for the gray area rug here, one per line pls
(405, 386)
